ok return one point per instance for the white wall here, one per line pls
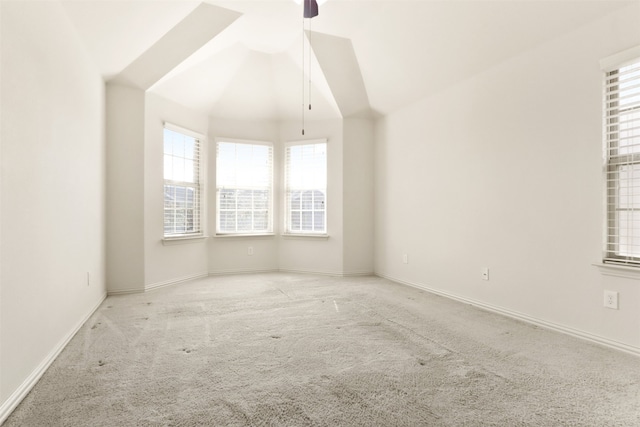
(312, 254)
(230, 254)
(343, 252)
(164, 264)
(52, 191)
(125, 188)
(504, 171)
(358, 196)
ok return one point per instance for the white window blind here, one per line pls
(244, 181)
(306, 187)
(622, 138)
(182, 190)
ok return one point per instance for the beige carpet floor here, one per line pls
(301, 350)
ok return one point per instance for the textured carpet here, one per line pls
(297, 350)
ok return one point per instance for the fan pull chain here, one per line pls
(310, 50)
(303, 85)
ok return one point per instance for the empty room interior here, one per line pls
(338, 212)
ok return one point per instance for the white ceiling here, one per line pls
(369, 57)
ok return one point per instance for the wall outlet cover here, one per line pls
(611, 299)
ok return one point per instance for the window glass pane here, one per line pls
(295, 220)
(296, 199)
(628, 237)
(622, 106)
(628, 132)
(181, 189)
(180, 221)
(169, 196)
(261, 220)
(227, 221)
(307, 200)
(189, 148)
(168, 167)
(244, 221)
(629, 187)
(305, 181)
(244, 178)
(227, 199)
(261, 200)
(245, 199)
(318, 221)
(307, 218)
(180, 196)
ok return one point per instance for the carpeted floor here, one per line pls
(298, 350)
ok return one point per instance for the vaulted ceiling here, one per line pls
(244, 59)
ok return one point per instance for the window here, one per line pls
(181, 183)
(244, 181)
(622, 139)
(306, 187)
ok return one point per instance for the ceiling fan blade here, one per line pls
(310, 8)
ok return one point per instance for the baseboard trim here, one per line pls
(522, 317)
(290, 270)
(241, 271)
(21, 392)
(158, 285)
(357, 273)
(125, 291)
(316, 272)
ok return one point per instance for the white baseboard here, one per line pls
(156, 285)
(317, 272)
(174, 281)
(21, 392)
(357, 273)
(241, 271)
(124, 291)
(523, 317)
(293, 271)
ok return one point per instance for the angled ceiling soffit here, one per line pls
(340, 67)
(204, 23)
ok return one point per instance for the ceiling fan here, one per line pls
(310, 8)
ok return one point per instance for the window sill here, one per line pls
(169, 241)
(618, 270)
(305, 236)
(245, 235)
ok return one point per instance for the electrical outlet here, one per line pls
(250, 251)
(611, 299)
(485, 273)
(405, 259)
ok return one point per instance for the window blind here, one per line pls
(306, 187)
(182, 191)
(622, 137)
(244, 181)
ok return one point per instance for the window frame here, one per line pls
(271, 190)
(287, 232)
(614, 160)
(199, 186)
